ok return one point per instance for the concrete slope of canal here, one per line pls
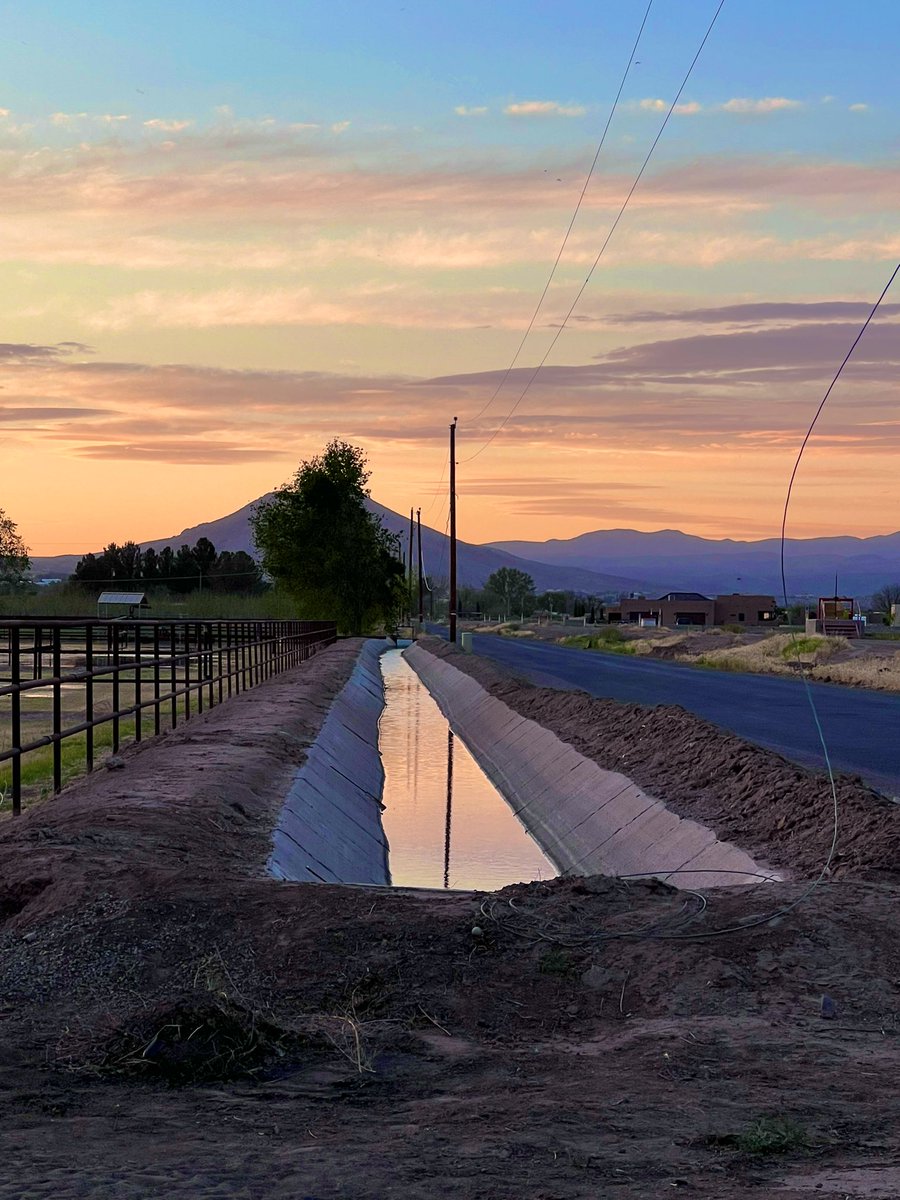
(861, 727)
(588, 819)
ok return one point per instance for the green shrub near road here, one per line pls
(611, 639)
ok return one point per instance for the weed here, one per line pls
(802, 645)
(557, 962)
(767, 1136)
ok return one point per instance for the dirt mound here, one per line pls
(777, 811)
(173, 1023)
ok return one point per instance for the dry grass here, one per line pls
(775, 655)
(870, 672)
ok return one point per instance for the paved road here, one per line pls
(862, 728)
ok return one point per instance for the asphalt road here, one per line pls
(861, 728)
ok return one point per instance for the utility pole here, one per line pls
(409, 577)
(421, 576)
(453, 531)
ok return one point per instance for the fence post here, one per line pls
(89, 697)
(15, 672)
(138, 731)
(55, 642)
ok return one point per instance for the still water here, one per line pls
(446, 823)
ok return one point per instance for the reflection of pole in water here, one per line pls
(449, 807)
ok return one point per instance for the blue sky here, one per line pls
(232, 231)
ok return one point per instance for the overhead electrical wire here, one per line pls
(560, 252)
(563, 244)
(606, 241)
(680, 931)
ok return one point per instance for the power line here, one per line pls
(587, 180)
(606, 241)
(804, 672)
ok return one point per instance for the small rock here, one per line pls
(829, 1008)
(114, 763)
(29, 937)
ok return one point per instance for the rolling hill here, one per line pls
(474, 563)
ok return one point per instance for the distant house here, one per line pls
(677, 609)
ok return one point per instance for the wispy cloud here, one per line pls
(859, 108)
(544, 108)
(470, 110)
(166, 125)
(768, 104)
(15, 352)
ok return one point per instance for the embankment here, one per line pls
(330, 830)
(586, 819)
(780, 813)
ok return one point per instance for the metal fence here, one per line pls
(138, 677)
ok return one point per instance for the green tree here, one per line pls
(150, 566)
(319, 541)
(204, 553)
(14, 560)
(887, 594)
(185, 575)
(511, 587)
(166, 563)
(236, 572)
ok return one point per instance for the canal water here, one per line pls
(446, 823)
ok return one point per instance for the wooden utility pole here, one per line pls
(421, 574)
(409, 577)
(453, 531)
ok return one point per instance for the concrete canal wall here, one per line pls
(329, 829)
(586, 819)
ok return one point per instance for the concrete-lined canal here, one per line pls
(446, 824)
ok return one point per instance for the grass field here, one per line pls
(67, 601)
(37, 722)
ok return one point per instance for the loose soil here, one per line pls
(175, 1024)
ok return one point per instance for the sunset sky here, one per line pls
(231, 232)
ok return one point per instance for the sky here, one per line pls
(233, 232)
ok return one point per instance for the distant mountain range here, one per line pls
(609, 561)
(691, 563)
(474, 563)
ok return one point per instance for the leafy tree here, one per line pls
(236, 572)
(887, 594)
(14, 560)
(553, 601)
(116, 564)
(511, 587)
(166, 563)
(150, 567)
(185, 575)
(317, 538)
(204, 555)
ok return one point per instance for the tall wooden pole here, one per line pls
(453, 531)
(421, 573)
(409, 577)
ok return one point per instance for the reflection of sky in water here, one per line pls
(488, 846)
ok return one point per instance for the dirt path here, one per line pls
(173, 1024)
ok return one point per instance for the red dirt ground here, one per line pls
(174, 1024)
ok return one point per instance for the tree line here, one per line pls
(188, 569)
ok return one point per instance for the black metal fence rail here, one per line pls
(173, 669)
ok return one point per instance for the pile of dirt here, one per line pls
(777, 811)
(172, 1022)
